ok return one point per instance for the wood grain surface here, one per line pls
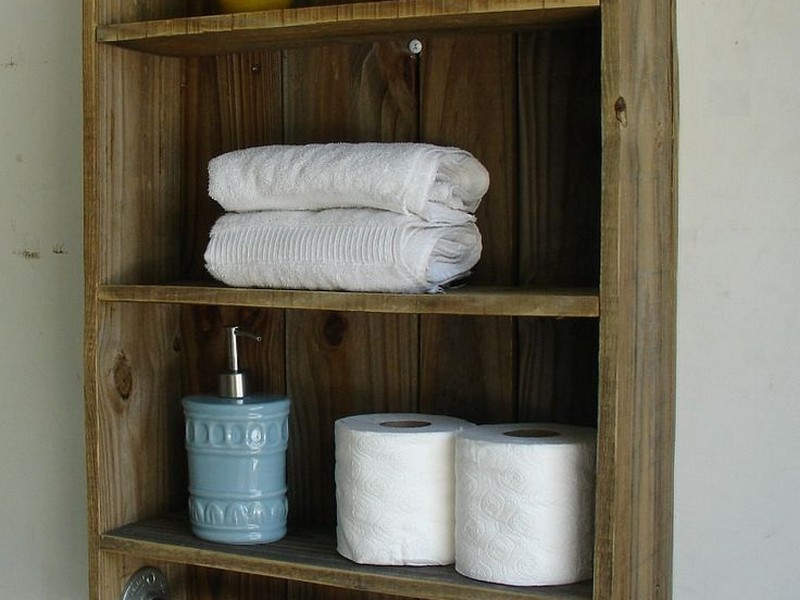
(637, 334)
(576, 125)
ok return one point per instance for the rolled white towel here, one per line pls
(400, 177)
(340, 249)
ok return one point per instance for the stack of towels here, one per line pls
(384, 217)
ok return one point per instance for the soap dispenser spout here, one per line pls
(233, 383)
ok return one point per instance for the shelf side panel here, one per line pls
(138, 164)
(637, 292)
(141, 464)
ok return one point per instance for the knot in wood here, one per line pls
(122, 374)
(335, 329)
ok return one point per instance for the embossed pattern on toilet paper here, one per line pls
(395, 490)
(524, 506)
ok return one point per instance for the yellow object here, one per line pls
(232, 6)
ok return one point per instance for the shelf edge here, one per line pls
(488, 301)
(212, 34)
(440, 583)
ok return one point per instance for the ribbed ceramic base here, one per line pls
(237, 468)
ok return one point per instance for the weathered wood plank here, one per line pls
(637, 327)
(246, 32)
(559, 218)
(468, 300)
(309, 554)
(138, 414)
(475, 109)
(137, 140)
(557, 365)
(559, 146)
(351, 92)
(341, 364)
(230, 102)
(467, 364)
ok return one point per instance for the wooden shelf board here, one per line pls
(310, 556)
(215, 34)
(492, 301)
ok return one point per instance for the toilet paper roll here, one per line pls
(525, 503)
(395, 488)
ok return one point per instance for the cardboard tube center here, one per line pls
(405, 424)
(532, 433)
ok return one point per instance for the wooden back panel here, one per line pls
(535, 135)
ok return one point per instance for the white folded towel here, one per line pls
(340, 249)
(399, 177)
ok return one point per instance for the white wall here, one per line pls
(738, 451)
(737, 488)
(42, 482)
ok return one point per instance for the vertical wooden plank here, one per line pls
(559, 150)
(132, 142)
(559, 217)
(558, 371)
(202, 7)
(637, 294)
(340, 364)
(351, 92)
(302, 3)
(467, 366)
(474, 108)
(231, 101)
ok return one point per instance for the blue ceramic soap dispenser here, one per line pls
(236, 444)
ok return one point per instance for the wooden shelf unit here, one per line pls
(568, 317)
